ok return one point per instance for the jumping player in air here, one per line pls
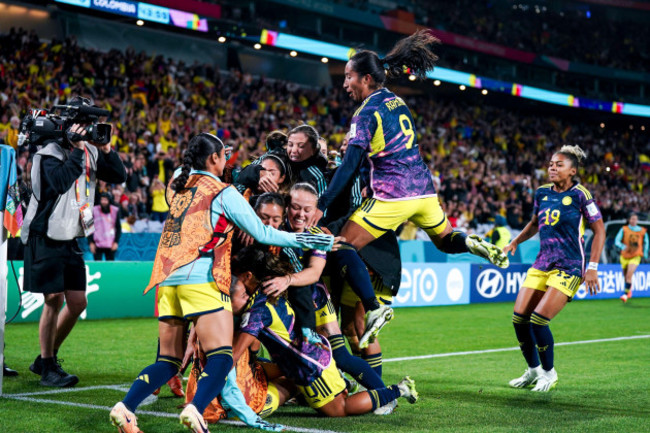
(400, 184)
(632, 239)
(192, 272)
(562, 210)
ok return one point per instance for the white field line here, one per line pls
(66, 390)
(508, 349)
(23, 397)
(27, 396)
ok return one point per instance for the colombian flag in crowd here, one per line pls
(645, 162)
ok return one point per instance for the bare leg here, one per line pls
(172, 334)
(551, 303)
(76, 303)
(356, 235)
(336, 407)
(214, 330)
(357, 404)
(47, 324)
(629, 273)
(527, 300)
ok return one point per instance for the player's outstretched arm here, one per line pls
(528, 232)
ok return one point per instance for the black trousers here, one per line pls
(100, 252)
(302, 303)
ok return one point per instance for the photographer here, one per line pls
(64, 173)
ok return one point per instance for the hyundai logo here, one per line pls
(489, 283)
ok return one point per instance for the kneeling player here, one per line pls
(309, 366)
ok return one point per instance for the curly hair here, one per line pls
(412, 52)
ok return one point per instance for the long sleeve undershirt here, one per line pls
(349, 168)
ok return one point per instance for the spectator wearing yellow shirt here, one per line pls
(12, 132)
(168, 140)
(161, 167)
(159, 207)
(4, 125)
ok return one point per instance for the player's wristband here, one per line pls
(593, 266)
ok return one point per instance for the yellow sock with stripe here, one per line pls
(544, 339)
(150, 379)
(382, 396)
(213, 376)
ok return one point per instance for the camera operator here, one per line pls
(64, 173)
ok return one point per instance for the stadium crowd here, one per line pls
(567, 34)
(485, 160)
(567, 31)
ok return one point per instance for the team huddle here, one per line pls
(298, 253)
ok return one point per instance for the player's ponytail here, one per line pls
(275, 141)
(200, 147)
(179, 183)
(412, 52)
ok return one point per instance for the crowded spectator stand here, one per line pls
(484, 159)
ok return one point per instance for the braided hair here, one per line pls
(412, 52)
(199, 149)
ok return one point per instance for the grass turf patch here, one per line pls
(602, 385)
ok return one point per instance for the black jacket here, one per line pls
(312, 171)
(58, 176)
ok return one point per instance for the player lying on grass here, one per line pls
(309, 366)
(308, 266)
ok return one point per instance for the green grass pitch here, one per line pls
(604, 386)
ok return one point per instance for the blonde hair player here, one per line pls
(562, 210)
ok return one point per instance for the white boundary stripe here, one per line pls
(27, 396)
(509, 349)
(73, 389)
(22, 397)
